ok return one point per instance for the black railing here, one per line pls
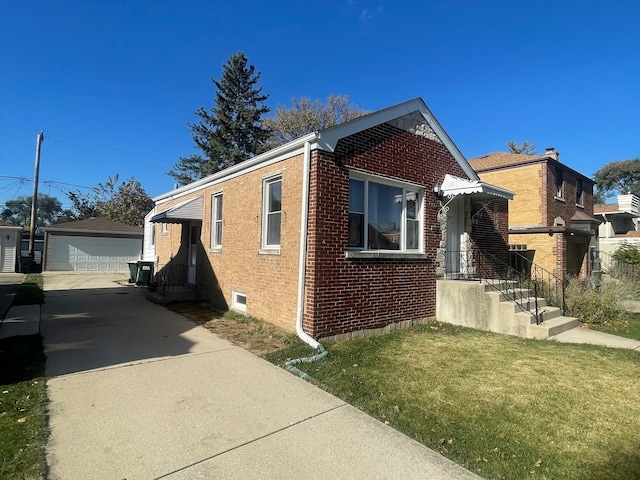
(524, 286)
(170, 277)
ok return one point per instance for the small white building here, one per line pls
(10, 237)
(620, 224)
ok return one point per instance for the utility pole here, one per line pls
(34, 199)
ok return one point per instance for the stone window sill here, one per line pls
(385, 255)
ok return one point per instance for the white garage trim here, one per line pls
(77, 253)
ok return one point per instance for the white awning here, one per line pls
(185, 211)
(453, 186)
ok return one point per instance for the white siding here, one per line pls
(9, 250)
(148, 246)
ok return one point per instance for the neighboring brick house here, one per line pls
(620, 223)
(551, 218)
(338, 231)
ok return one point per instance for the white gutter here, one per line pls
(304, 220)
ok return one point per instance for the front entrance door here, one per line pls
(194, 235)
(456, 239)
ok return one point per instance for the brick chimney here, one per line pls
(552, 153)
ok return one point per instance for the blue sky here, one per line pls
(114, 83)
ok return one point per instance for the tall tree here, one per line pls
(306, 116)
(619, 177)
(18, 211)
(524, 148)
(125, 202)
(232, 130)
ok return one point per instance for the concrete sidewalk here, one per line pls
(138, 392)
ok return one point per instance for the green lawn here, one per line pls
(503, 407)
(30, 291)
(628, 327)
(23, 429)
(23, 400)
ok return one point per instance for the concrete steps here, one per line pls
(518, 313)
(551, 327)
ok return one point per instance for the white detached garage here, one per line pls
(95, 244)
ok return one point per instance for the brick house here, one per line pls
(551, 218)
(339, 231)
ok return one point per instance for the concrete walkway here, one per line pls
(139, 392)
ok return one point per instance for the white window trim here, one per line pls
(366, 177)
(266, 184)
(216, 220)
(164, 228)
(235, 304)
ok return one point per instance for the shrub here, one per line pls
(593, 304)
(626, 262)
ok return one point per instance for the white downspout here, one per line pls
(304, 219)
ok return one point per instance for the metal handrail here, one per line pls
(523, 288)
(171, 276)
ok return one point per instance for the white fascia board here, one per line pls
(293, 148)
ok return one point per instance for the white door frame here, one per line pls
(192, 260)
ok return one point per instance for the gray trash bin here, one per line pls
(133, 271)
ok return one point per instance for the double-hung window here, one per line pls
(384, 214)
(271, 212)
(579, 193)
(559, 184)
(216, 220)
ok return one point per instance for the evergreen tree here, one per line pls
(232, 130)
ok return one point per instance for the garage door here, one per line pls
(89, 253)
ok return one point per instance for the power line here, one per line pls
(24, 179)
(79, 145)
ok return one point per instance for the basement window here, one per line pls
(239, 301)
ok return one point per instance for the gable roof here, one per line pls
(500, 160)
(94, 225)
(412, 115)
(496, 160)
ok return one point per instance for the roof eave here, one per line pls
(264, 157)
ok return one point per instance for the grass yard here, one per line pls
(627, 327)
(23, 401)
(30, 291)
(23, 429)
(503, 407)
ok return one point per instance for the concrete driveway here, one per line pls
(139, 392)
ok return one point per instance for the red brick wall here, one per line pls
(566, 207)
(344, 295)
(490, 234)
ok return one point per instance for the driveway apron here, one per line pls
(139, 392)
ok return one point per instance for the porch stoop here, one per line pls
(479, 305)
(173, 295)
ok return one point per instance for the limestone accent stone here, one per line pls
(416, 124)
